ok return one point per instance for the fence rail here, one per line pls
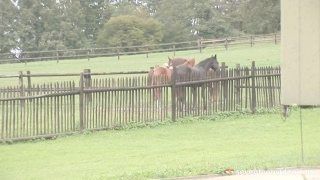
(200, 44)
(95, 103)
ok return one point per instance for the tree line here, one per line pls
(35, 25)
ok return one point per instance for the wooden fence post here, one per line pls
(254, 95)
(238, 84)
(226, 44)
(147, 54)
(88, 55)
(57, 56)
(118, 53)
(21, 87)
(29, 83)
(87, 77)
(81, 102)
(20, 78)
(223, 86)
(174, 50)
(275, 38)
(173, 94)
(200, 45)
(251, 41)
(271, 88)
(87, 82)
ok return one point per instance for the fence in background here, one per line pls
(26, 78)
(34, 111)
(200, 44)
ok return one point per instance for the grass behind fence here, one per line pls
(265, 54)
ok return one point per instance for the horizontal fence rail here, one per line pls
(28, 76)
(96, 103)
(200, 44)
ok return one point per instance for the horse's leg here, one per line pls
(181, 99)
(210, 94)
(159, 95)
(157, 104)
(184, 97)
(194, 94)
(216, 93)
(213, 93)
(211, 99)
(177, 98)
(204, 99)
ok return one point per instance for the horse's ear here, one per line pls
(215, 56)
(169, 58)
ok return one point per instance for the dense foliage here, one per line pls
(128, 30)
(49, 24)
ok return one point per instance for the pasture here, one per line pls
(189, 147)
(265, 54)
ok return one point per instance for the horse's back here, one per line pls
(178, 61)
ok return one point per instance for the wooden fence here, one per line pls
(104, 103)
(27, 78)
(57, 55)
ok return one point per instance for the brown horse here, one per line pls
(157, 76)
(161, 75)
(179, 61)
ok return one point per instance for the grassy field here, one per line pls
(264, 55)
(189, 147)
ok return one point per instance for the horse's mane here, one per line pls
(204, 62)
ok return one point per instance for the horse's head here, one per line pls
(209, 63)
(213, 63)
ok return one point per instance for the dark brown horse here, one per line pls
(161, 75)
(198, 72)
(214, 90)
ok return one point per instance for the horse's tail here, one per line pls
(150, 76)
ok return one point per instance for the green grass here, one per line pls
(266, 54)
(189, 147)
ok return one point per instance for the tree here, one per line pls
(8, 24)
(176, 16)
(260, 17)
(33, 25)
(50, 25)
(210, 19)
(30, 23)
(96, 12)
(129, 7)
(130, 30)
